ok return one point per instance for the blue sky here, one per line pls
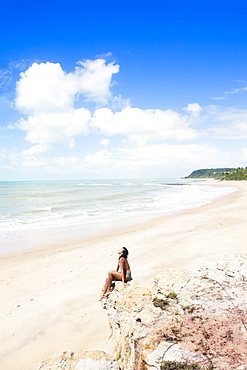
(120, 89)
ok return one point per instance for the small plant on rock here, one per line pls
(174, 365)
(161, 303)
(172, 295)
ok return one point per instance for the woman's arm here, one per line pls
(122, 268)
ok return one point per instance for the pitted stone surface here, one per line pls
(188, 317)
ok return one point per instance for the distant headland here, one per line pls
(220, 173)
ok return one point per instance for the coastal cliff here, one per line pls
(198, 319)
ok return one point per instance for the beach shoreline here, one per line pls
(50, 293)
(47, 237)
(37, 214)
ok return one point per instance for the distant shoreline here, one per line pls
(67, 234)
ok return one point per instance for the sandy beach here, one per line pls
(49, 295)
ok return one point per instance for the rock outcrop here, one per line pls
(195, 318)
(80, 360)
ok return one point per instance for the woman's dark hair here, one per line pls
(124, 252)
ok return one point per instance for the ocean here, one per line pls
(31, 211)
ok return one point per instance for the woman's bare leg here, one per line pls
(112, 276)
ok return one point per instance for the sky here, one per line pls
(121, 89)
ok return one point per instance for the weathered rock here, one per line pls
(80, 360)
(175, 353)
(133, 340)
(205, 312)
(188, 317)
(131, 318)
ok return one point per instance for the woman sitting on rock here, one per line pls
(122, 273)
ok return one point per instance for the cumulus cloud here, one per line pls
(145, 140)
(46, 94)
(48, 128)
(95, 79)
(194, 109)
(45, 88)
(139, 124)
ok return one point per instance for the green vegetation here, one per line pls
(161, 303)
(214, 173)
(173, 365)
(235, 174)
(220, 173)
(171, 295)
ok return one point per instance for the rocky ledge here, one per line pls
(198, 319)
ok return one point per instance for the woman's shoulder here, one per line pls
(122, 259)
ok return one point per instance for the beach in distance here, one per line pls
(34, 212)
(57, 245)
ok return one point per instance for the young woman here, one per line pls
(122, 273)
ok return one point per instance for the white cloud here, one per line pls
(34, 150)
(95, 79)
(134, 122)
(46, 94)
(48, 128)
(147, 142)
(234, 91)
(156, 160)
(219, 98)
(118, 102)
(194, 109)
(45, 88)
(105, 142)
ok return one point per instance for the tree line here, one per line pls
(239, 173)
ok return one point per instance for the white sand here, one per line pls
(49, 295)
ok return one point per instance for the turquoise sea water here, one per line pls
(44, 206)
